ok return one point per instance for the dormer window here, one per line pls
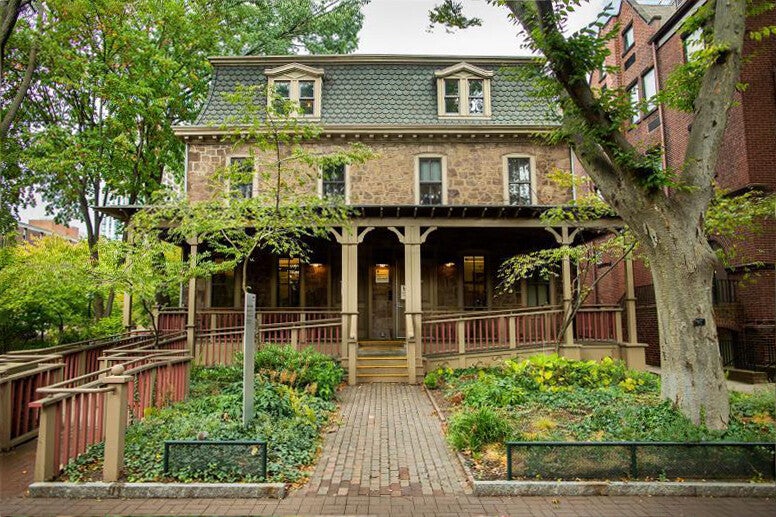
(463, 90)
(300, 84)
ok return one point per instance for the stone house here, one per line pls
(649, 46)
(459, 182)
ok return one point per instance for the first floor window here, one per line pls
(333, 182)
(288, 282)
(519, 181)
(222, 289)
(474, 284)
(538, 291)
(430, 181)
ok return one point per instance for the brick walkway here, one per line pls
(389, 443)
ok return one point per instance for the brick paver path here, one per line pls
(389, 443)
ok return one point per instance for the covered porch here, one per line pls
(418, 285)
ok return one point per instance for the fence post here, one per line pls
(294, 338)
(460, 334)
(6, 413)
(44, 458)
(115, 423)
(618, 326)
(512, 324)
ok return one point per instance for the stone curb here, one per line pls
(99, 490)
(621, 488)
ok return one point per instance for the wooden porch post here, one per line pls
(126, 311)
(632, 352)
(413, 311)
(349, 239)
(191, 320)
(567, 348)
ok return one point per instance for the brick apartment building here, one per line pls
(36, 228)
(649, 46)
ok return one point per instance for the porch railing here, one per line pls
(598, 323)
(75, 413)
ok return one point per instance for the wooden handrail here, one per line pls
(488, 315)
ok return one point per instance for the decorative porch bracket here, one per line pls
(349, 238)
(412, 238)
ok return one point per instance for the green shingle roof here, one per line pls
(390, 94)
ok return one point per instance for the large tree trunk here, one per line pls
(682, 266)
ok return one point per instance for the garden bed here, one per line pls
(550, 398)
(294, 403)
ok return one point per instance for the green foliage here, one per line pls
(308, 370)
(289, 419)
(471, 430)
(548, 397)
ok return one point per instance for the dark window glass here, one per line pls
(283, 92)
(538, 291)
(222, 289)
(334, 182)
(452, 97)
(474, 286)
(476, 97)
(307, 97)
(243, 184)
(430, 181)
(288, 282)
(519, 181)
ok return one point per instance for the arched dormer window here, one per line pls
(463, 90)
(299, 83)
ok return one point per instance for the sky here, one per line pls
(402, 27)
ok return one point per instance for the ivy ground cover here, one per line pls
(551, 398)
(294, 400)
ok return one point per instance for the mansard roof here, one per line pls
(386, 91)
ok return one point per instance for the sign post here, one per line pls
(249, 357)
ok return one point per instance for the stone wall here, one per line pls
(475, 174)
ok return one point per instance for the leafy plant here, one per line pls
(471, 430)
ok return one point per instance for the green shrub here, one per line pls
(318, 373)
(474, 429)
(489, 390)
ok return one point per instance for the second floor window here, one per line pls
(333, 182)
(243, 170)
(430, 185)
(693, 43)
(628, 39)
(519, 181)
(300, 84)
(307, 97)
(649, 84)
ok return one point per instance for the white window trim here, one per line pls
(443, 160)
(254, 176)
(347, 184)
(637, 116)
(294, 73)
(464, 72)
(505, 175)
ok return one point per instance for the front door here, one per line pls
(383, 300)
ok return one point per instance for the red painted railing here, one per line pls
(598, 323)
(77, 407)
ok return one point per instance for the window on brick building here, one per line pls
(649, 83)
(633, 95)
(628, 39)
(693, 43)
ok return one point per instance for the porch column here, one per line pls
(191, 318)
(632, 352)
(349, 238)
(413, 308)
(567, 348)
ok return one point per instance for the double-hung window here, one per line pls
(299, 84)
(633, 95)
(333, 182)
(649, 83)
(430, 185)
(242, 169)
(518, 180)
(463, 90)
(628, 39)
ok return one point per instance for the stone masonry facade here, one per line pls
(474, 168)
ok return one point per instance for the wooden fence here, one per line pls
(95, 407)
